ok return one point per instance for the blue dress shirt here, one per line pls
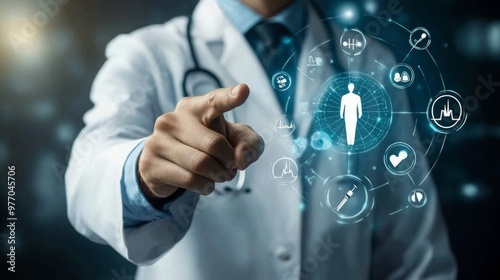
(136, 208)
(244, 18)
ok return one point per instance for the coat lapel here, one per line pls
(237, 63)
(311, 78)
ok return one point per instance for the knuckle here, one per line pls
(199, 162)
(145, 166)
(154, 145)
(242, 126)
(165, 122)
(246, 126)
(190, 180)
(213, 143)
(211, 97)
(150, 145)
(256, 142)
(183, 103)
(144, 161)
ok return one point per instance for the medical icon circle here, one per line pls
(352, 42)
(446, 112)
(284, 126)
(420, 38)
(353, 113)
(417, 198)
(354, 110)
(314, 61)
(281, 81)
(400, 158)
(285, 171)
(401, 75)
(349, 198)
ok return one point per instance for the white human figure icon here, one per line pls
(350, 111)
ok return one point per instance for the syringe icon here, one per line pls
(346, 197)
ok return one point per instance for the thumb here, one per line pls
(211, 105)
(248, 145)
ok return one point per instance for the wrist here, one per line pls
(156, 201)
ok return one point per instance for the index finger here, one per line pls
(213, 104)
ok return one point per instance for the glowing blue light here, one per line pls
(65, 132)
(327, 112)
(371, 7)
(348, 13)
(302, 206)
(470, 190)
(321, 141)
(299, 145)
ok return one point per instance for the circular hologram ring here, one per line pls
(417, 198)
(352, 42)
(401, 75)
(284, 126)
(446, 112)
(400, 158)
(420, 38)
(349, 198)
(354, 110)
(281, 81)
(285, 171)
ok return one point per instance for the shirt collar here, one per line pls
(244, 18)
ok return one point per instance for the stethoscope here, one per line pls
(204, 74)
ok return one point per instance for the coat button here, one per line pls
(282, 253)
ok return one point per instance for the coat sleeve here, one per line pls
(126, 105)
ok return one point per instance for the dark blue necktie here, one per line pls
(274, 45)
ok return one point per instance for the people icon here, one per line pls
(281, 81)
(405, 78)
(397, 77)
(350, 111)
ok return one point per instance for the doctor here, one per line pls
(149, 172)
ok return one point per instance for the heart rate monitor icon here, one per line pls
(396, 160)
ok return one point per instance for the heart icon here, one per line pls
(396, 160)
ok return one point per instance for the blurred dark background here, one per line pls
(44, 88)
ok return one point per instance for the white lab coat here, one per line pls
(261, 235)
